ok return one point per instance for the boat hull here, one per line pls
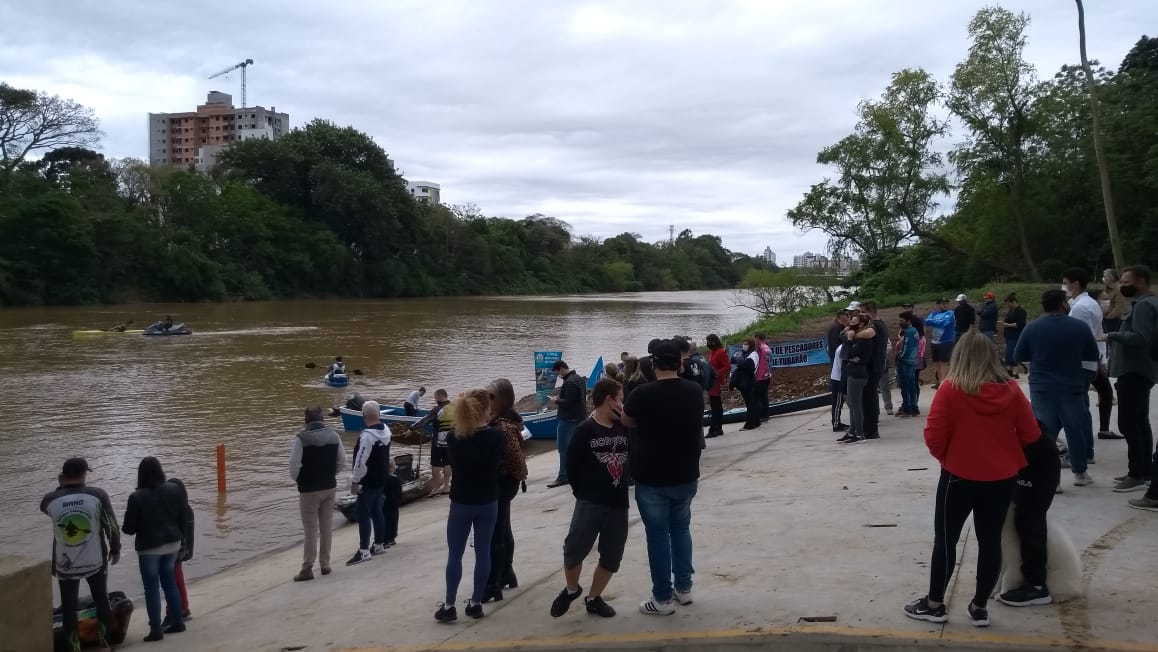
(739, 415)
(336, 380)
(95, 333)
(352, 420)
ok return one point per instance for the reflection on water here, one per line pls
(241, 380)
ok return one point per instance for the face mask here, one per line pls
(1128, 291)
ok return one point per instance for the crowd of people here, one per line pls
(996, 447)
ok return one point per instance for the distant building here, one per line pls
(838, 265)
(196, 138)
(425, 191)
(769, 256)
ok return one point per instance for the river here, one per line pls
(241, 380)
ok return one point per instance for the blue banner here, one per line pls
(544, 373)
(799, 353)
(596, 374)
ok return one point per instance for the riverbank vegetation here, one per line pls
(318, 212)
(1018, 195)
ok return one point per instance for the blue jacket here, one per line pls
(1056, 346)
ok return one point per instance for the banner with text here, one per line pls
(800, 353)
(544, 373)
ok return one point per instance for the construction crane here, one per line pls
(243, 65)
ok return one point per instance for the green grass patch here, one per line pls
(1028, 293)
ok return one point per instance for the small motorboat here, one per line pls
(739, 414)
(158, 329)
(336, 379)
(541, 425)
(137, 331)
(352, 420)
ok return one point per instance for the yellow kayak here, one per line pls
(125, 332)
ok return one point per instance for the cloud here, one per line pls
(612, 116)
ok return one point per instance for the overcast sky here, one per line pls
(614, 116)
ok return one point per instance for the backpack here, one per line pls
(709, 378)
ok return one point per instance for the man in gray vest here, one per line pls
(318, 456)
(1131, 363)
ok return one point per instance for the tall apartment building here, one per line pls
(810, 260)
(425, 191)
(769, 256)
(196, 138)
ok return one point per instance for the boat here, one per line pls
(540, 425)
(158, 329)
(739, 415)
(137, 331)
(336, 380)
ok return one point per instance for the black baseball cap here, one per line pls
(74, 467)
(667, 350)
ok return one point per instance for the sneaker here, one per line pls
(840, 427)
(1082, 479)
(474, 609)
(889, 411)
(920, 610)
(1119, 478)
(1109, 434)
(597, 607)
(1145, 503)
(847, 438)
(359, 557)
(175, 628)
(684, 597)
(556, 483)
(563, 601)
(1026, 596)
(653, 607)
(390, 544)
(446, 613)
(978, 616)
(377, 549)
(326, 570)
(306, 575)
(1130, 483)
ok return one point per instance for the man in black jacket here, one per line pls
(987, 317)
(1036, 484)
(836, 387)
(597, 466)
(318, 457)
(877, 368)
(963, 316)
(571, 406)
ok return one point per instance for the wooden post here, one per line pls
(221, 468)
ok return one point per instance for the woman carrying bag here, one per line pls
(156, 516)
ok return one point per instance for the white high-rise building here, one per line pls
(769, 256)
(425, 191)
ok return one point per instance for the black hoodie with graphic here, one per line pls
(597, 463)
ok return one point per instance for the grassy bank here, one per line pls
(813, 320)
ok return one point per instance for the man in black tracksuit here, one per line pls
(876, 366)
(836, 388)
(1036, 484)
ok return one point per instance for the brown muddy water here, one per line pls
(241, 380)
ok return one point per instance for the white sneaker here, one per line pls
(377, 549)
(1082, 479)
(684, 597)
(653, 607)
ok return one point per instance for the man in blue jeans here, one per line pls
(1056, 346)
(368, 480)
(667, 417)
(571, 406)
(907, 366)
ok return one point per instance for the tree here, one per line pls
(32, 121)
(993, 92)
(770, 293)
(1099, 144)
(888, 174)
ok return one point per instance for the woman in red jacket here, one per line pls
(978, 426)
(718, 358)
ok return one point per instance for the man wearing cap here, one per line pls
(987, 317)
(964, 315)
(86, 540)
(667, 418)
(941, 329)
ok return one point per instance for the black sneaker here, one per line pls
(474, 610)
(1026, 596)
(359, 557)
(446, 613)
(978, 616)
(847, 438)
(598, 607)
(563, 601)
(175, 628)
(840, 427)
(920, 610)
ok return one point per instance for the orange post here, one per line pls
(221, 468)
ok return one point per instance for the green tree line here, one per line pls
(992, 175)
(318, 212)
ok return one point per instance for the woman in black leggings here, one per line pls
(476, 453)
(978, 426)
